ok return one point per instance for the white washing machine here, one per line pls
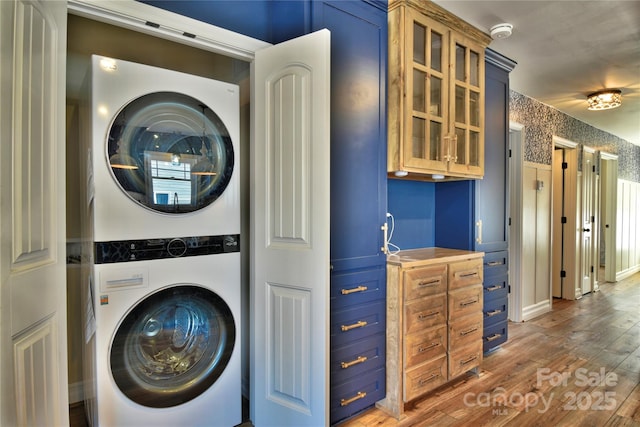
(164, 156)
(166, 347)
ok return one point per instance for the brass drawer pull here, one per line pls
(353, 290)
(425, 381)
(360, 359)
(358, 396)
(429, 347)
(429, 283)
(467, 361)
(358, 324)
(493, 337)
(494, 288)
(494, 263)
(493, 313)
(468, 303)
(468, 331)
(423, 316)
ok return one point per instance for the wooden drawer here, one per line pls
(464, 359)
(496, 287)
(494, 336)
(357, 323)
(495, 311)
(423, 346)
(425, 313)
(465, 301)
(425, 281)
(354, 396)
(357, 288)
(424, 378)
(357, 358)
(495, 263)
(465, 331)
(465, 273)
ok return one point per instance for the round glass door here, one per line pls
(170, 153)
(172, 346)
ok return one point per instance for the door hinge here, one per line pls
(563, 274)
(509, 152)
(565, 165)
(509, 288)
(509, 222)
(563, 220)
(592, 269)
(594, 168)
(593, 218)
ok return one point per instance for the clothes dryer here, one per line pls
(164, 154)
(166, 346)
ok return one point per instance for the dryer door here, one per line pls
(172, 346)
(170, 153)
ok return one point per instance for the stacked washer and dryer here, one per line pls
(162, 234)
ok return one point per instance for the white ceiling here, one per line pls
(566, 50)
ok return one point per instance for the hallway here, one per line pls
(578, 365)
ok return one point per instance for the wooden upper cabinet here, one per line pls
(435, 94)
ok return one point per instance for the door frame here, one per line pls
(516, 164)
(607, 212)
(570, 289)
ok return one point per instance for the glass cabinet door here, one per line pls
(426, 128)
(467, 109)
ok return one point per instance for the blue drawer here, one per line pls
(495, 263)
(355, 396)
(357, 358)
(494, 336)
(357, 288)
(495, 311)
(357, 323)
(496, 287)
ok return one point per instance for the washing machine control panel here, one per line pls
(174, 247)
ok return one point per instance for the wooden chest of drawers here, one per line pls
(434, 321)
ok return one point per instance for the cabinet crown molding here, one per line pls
(433, 11)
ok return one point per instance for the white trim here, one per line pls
(536, 310)
(171, 26)
(608, 156)
(515, 212)
(589, 149)
(76, 392)
(562, 142)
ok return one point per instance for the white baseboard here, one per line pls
(76, 392)
(620, 275)
(536, 310)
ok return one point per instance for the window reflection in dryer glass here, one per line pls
(170, 152)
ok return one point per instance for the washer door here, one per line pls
(170, 153)
(172, 346)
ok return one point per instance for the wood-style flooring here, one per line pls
(578, 365)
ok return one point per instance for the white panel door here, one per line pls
(290, 234)
(33, 350)
(587, 265)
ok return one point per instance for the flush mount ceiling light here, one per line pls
(605, 99)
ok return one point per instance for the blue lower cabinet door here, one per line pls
(354, 396)
(357, 323)
(495, 311)
(494, 336)
(357, 358)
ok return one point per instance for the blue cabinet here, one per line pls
(358, 201)
(473, 215)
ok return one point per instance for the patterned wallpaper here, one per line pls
(542, 122)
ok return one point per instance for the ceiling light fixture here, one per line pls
(605, 99)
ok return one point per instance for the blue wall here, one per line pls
(412, 204)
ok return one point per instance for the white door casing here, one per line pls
(290, 233)
(609, 191)
(586, 225)
(33, 344)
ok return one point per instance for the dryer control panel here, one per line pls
(173, 247)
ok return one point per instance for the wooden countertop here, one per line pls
(426, 256)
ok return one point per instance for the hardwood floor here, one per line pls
(578, 365)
